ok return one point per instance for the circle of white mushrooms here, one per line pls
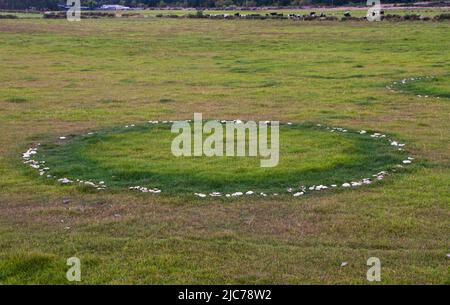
(29, 159)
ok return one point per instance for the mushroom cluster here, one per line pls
(42, 169)
(302, 190)
(28, 158)
(397, 85)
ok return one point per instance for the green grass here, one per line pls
(141, 155)
(24, 15)
(112, 72)
(16, 99)
(29, 268)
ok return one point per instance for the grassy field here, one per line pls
(59, 78)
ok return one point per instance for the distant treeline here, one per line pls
(53, 4)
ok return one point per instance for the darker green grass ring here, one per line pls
(140, 155)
